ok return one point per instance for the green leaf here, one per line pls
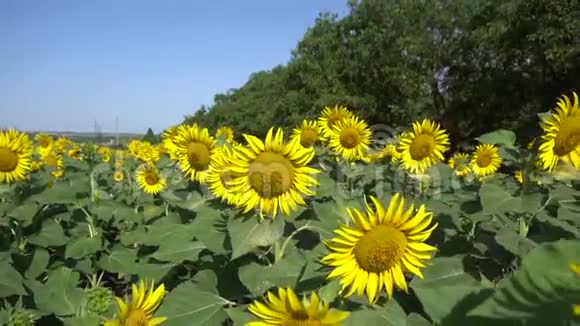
(40, 259)
(498, 137)
(10, 281)
(177, 250)
(24, 213)
(543, 289)
(496, 200)
(119, 260)
(444, 278)
(414, 319)
(209, 227)
(513, 243)
(329, 292)
(240, 316)
(82, 246)
(50, 235)
(82, 321)
(153, 272)
(151, 211)
(249, 234)
(258, 278)
(182, 310)
(559, 223)
(60, 294)
(390, 315)
(326, 185)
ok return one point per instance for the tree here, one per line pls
(150, 137)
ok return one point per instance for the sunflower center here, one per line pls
(198, 156)
(44, 142)
(349, 138)
(380, 249)
(422, 147)
(568, 137)
(308, 137)
(301, 319)
(52, 160)
(8, 160)
(152, 179)
(136, 318)
(483, 159)
(271, 174)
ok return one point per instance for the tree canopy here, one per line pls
(473, 65)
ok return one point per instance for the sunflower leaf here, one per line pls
(498, 137)
(60, 294)
(180, 310)
(10, 281)
(535, 292)
(249, 234)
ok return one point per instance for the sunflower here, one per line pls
(380, 247)
(460, 163)
(45, 142)
(15, 156)
(561, 137)
(74, 152)
(308, 133)
(118, 176)
(388, 152)
(329, 117)
(139, 311)
(149, 179)
(423, 147)
(194, 148)
(105, 154)
(168, 139)
(272, 175)
(226, 132)
(486, 160)
(287, 309)
(55, 161)
(350, 139)
(219, 173)
(519, 176)
(576, 307)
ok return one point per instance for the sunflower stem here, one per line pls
(280, 254)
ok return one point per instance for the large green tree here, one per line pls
(474, 65)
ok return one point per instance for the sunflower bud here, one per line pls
(99, 300)
(21, 317)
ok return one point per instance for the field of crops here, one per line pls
(333, 223)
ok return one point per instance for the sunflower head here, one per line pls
(486, 160)
(423, 146)
(460, 163)
(194, 148)
(350, 139)
(272, 176)
(15, 156)
(220, 173)
(286, 308)
(379, 247)
(118, 176)
(329, 117)
(561, 137)
(307, 133)
(150, 179)
(44, 141)
(140, 309)
(225, 132)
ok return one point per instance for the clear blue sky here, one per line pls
(65, 64)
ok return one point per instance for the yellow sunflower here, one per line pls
(287, 309)
(55, 161)
(388, 152)
(194, 148)
(168, 139)
(380, 247)
(350, 139)
(460, 163)
(74, 152)
(118, 176)
(15, 156)
(149, 179)
(272, 176)
(219, 173)
(576, 307)
(226, 132)
(45, 142)
(140, 310)
(308, 133)
(519, 176)
(561, 137)
(329, 117)
(486, 160)
(105, 154)
(423, 146)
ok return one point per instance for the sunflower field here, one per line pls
(333, 223)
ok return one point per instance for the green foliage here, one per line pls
(150, 137)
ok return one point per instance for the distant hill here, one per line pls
(104, 138)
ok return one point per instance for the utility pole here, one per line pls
(117, 130)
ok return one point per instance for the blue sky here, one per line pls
(65, 64)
